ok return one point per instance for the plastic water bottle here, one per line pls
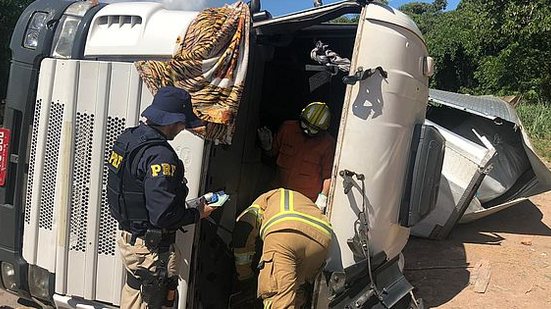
(211, 197)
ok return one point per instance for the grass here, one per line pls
(536, 119)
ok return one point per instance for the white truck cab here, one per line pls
(73, 88)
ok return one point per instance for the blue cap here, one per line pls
(171, 105)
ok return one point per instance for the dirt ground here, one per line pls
(515, 243)
(8, 301)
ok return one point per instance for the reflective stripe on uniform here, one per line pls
(255, 210)
(297, 216)
(267, 303)
(286, 200)
(245, 258)
(288, 213)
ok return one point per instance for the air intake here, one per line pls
(119, 21)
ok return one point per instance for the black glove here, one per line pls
(247, 286)
(244, 295)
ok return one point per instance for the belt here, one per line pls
(167, 238)
(132, 281)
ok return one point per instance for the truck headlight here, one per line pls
(65, 36)
(39, 282)
(67, 29)
(37, 23)
(8, 276)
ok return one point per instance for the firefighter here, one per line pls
(146, 192)
(304, 152)
(296, 238)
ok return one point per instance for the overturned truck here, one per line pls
(81, 72)
(489, 163)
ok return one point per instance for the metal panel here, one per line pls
(83, 107)
(464, 163)
(487, 106)
(65, 93)
(491, 107)
(94, 98)
(58, 139)
(375, 135)
(123, 105)
(136, 29)
(106, 245)
(32, 159)
(90, 107)
(36, 160)
(190, 150)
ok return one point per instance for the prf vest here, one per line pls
(125, 192)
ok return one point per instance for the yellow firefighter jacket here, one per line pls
(273, 211)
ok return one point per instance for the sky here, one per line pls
(275, 7)
(281, 7)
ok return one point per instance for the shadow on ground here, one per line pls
(439, 269)
(523, 219)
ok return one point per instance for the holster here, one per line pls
(156, 287)
(159, 240)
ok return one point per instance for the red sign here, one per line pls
(4, 154)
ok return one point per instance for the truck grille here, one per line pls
(84, 130)
(50, 166)
(108, 225)
(34, 140)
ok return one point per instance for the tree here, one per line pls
(440, 5)
(491, 46)
(346, 19)
(9, 13)
(424, 14)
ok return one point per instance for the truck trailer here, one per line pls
(73, 88)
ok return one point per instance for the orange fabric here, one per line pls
(303, 161)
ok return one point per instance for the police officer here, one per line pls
(147, 192)
(296, 239)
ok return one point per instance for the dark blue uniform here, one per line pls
(164, 185)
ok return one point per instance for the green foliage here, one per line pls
(418, 8)
(499, 47)
(440, 5)
(346, 19)
(536, 119)
(489, 46)
(9, 13)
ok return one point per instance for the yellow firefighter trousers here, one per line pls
(290, 259)
(139, 256)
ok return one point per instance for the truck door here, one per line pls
(386, 99)
(384, 104)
